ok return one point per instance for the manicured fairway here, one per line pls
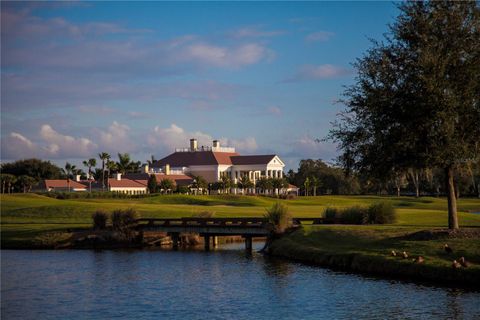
(23, 216)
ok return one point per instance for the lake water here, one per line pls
(223, 284)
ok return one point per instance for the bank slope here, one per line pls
(366, 249)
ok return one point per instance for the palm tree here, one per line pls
(315, 185)
(167, 185)
(226, 182)
(199, 182)
(69, 170)
(245, 183)
(90, 163)
(7, 181)
(278, 184)
(26, 182)
(104, 157)
(111, 166)
(152, 160)
(123, 163)
(264, 184)
(306, 184)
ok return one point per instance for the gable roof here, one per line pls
(178, 179)
(198, 158)
(255, 159)
(60, 183)
(125, 183)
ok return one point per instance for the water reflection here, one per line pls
(221, 284)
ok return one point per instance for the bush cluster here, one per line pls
(123, 222)
(279, 217)
(377, 213)
(95, 195)
(100, 219)
(288, 196)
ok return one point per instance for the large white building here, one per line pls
(213, 162)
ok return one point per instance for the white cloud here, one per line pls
(165, 140)
(318, 72)
(227, 57)
(246, 145)
(51, 144)
(59, 145)
(117, 139)
(17, 146)
(319, 36)
(255, 32)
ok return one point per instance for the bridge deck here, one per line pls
(215, 226)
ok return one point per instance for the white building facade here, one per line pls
(212, 163)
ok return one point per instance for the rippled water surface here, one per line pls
(224, 284)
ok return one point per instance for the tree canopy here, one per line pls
(35, 168)
(415, 102)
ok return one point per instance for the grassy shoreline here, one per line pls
(366, 249)
(360, 248)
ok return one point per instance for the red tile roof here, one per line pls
(124, 183)
(255, 159)
(185, 159)
(63, 184)
(178, 179)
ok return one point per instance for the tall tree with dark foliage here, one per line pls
(416, 99)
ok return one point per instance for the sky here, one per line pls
(80, 78)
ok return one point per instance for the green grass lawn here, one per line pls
(23, 216)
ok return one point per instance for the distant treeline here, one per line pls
(315, 177)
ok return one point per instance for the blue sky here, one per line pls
(144, 77)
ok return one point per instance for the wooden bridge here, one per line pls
(211, 228)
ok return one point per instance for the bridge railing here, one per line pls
(185, 222)
(220, 222)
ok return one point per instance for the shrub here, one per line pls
(331, 215)
(124, 222)
(279, 217)
(100, 219)
(354, 215)
(123, 218)
(291, 196)
(381, 213)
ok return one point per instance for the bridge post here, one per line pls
(214, 241)
(206, 240)
(248, 244)
(175, 239)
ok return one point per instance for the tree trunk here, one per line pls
(398, 191)
(452, 200)
(103, 175)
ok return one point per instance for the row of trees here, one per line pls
(22, 175)
(315, 177)
(225, 185)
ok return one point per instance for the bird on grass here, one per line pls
(464, 262)
(447, 248)
(393, 253)
(404, 255)
(419, 259)
(456, 265)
